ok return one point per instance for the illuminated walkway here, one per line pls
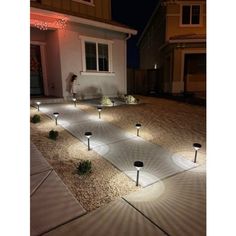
(118, 146)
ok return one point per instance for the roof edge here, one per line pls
(85, 21)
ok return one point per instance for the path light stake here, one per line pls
(56, 114)
(88, 135)
(99, 112)
(138, 126)
(74, 100)
(196, 146)
(138, 165)
(38, 103)
(113, 103)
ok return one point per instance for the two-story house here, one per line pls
(76, 37)
(174, 43)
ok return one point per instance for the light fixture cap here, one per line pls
(138, 126)
(88, 134)
(99, 108)
(56, 114)
(138, 164)
(197, 146)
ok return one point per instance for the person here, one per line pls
(73, 85)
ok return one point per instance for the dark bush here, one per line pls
(84, 167)
(53, 134)
(35, 119)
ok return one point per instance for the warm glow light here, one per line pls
(88, 134)
(56, 114)
(38, 103)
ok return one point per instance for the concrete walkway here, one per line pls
(51, 203)
(118, 146)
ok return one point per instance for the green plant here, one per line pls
(84, 167)
(53, 134)
(106, 101)
(130, 99)
(35, 119)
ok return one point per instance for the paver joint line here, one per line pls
(66, 222)
(146, 217)
(36, 173)
(41, 182)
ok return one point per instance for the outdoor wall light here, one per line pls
(138, 165)
(138, 126)
(88, 135)
(196, 146)
(56, 114)
(74, 100)
(38, 104)
(99, 112)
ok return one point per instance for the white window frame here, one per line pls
(91, 3)
(190, 24)
(97, 41)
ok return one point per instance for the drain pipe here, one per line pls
(125, 59)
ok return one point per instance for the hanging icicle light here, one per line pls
(61, 23)
(42, 25)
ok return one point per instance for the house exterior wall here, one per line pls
(173, 20)
(158, 47)
(92, 85)
(100, 8)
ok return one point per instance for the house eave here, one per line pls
(83, 21)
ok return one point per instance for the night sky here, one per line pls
(134, 14)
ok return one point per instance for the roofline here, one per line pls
(85, 21)
(149, 22)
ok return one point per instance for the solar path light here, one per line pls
(99, 112)
(74, 100)
(113, 103)
(88, 135)
(38, 104)
(196, 146)
(138, 126)
(138, 165)
(56, 114)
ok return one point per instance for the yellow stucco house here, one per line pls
(174, 43)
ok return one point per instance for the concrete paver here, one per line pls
(116, 219)
(37, 163)
(177, 204)
(51, 203)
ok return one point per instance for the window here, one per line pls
(97, 55)
(191, 14)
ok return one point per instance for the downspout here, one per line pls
(125, 60)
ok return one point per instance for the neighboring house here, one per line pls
(174, 43)
(76, 37)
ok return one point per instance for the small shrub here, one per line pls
(53, 134)
(35, 119)
(84, 167)
(130, 99)
(106, 101)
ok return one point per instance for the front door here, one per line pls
(36, 75)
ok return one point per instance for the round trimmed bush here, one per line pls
(35, 119)
(53, 134)
(84, 167)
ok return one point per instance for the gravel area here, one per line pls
(173, 125)
(104, 184)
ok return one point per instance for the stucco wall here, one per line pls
(90, 86)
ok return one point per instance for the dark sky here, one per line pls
(134, 14)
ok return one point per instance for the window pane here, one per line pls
(90, 52)
(195, 14)
(186, 15)
(103, 57)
